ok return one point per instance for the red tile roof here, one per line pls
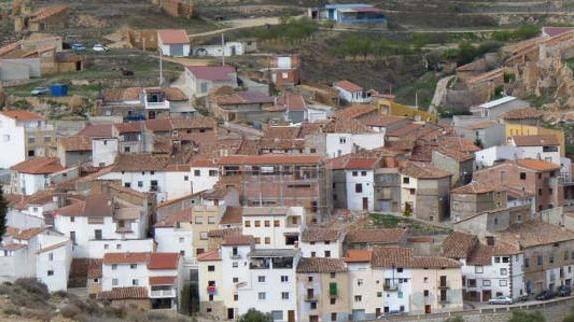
(535, 140)
(42, 165)
(270, 159)
(22, 115)
(421, 170)
(377, 235)
(163, 261)
(537, 165)
(76, 143)
(210, 256)
(237, 240)
(459, 245)
(321, 265)
(173, 36)
(353, 162)
(212, 73)
(403, 257)
(348, 86)
(231, 216)
(359, 256)
(125, 258)
(97, 131)
(320, 234)
(182, 216)
(292, 102)
(154, 261)
(162, 280)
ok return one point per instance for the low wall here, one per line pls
(553, 311)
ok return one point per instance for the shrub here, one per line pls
(31, 285)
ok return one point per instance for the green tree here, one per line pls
(3, 211)
(523, 316)
(255, 316)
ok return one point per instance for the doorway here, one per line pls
(365, 203)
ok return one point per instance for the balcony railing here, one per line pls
(393, 287)
(311, 298)
(235, 256)
(162, 293)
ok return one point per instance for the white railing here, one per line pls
(162, 293)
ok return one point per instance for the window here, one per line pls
(211, 220)
(213, 173)
(73, 237)
(135, 282)
(502, 283)
(333, 275)
(284, 295)
(379, 294)
(358, 298)
(114, 266)
(333, 301)
(522, 175)
(118, 246)
(199, 220)
(203, 235)
(342, 140)
(478, 269)
(400, 294)
(115, 282)
(310, 279)
(247, 223)
(197, 173)
(358, 187)
(127, 184)
(185, 178)
(276, 223)
(72, 219)
(267, 223)
(539, 260)
(181, 240)
(333, 316)
(98, 234)
(426, 293)
(50, 273)
(277, 315)
(257, 223)
(360, 282)
(355, 173)
(31, 140)
(267, 240)
(235, 279)
(211, 268)
(363, 173)
(486, 283)
(261, 295)
(257, 240)
(284, 278)
(399, 269)
(327, 253)
(406, 180)
(133, 266)
(140, 184)
(235, 264)
(526, 262)
(236, 297)
(51, 257)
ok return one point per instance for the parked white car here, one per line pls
(99, 48)
(500, 300)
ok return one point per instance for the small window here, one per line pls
(358, 188)
(406, 180)
(284, 278)
(185, 178)
(115, 282)
(522, 175)
(276, 223)
(133, 266)
(327, 253)
(135, 282)
(114, 266)
(247, 223)
(284, 295)
(213, 173)
(199, 220)
(261, 279)
(358, 298)
(50, 273)
(197, 173)
(51, 257)
(261, 295)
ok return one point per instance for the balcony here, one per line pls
(158, 294)
(164, 105)
(443, 286)
(235, 256)
(312, 298)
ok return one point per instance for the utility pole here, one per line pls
(222, 49)
(160, 68)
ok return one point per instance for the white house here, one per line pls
(99, 218)
(344, 136)
(494, 109)
(323, 242)
(232, 48)
(104, 151)
(173, 42)
(274, 227)
(36, 253)
(152, 278)
(33, 175)
(351, 92)
(199, 80)
(23, 135)
(489, 269)
(353, 181)
(174, 233)
(235, 251)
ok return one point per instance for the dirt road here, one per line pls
(239, 24)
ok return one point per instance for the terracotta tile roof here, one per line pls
(41, 165)
(403, 257)
(163, 261)
(482, 254)
(535, 140)
(23, 234)
(47, 12)
(133, 127)
(237, 240)
(210, 256)
(342, 125)
(270, 159)
(125, 258)
(141, 162)
(291, 102)
(482, 125)
(537, 165)
(22, 115)
(459, 245)
(52, 247)
(359, 256)
(355, 111)
(174, 94)
(377, 235)
(162, 280)
(534, 234)
(321, 265)
(232, 216)
(456, 155)
(353, 162)
(173, 36)
(477, 187)
(384, 120)
(95, 268)
(348, 86)
(423, 171)
(97, 131)
(76, 143)
(403, 131)
(124, 293)
(221, 233)
(12, 247)
(213, 73)
(182, 216)
(320, 234)
(522, 114)
(246, 97)
(41, 197)
(95, 206)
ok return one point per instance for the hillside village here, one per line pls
(312, 162)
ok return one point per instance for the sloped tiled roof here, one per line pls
(534, 234)
(459, 245)
(22, 115)
(232, 216)
(124, 293)
(212, 73)
(353, 162)
(537, 165)
(321, 265)
(535, 140)
(163, 261)
(421, 170)
(270, 159)
(403, 257)
(173, 36)
(320, 234)
(359, 256)
(76, 143)
(40, 165)
(237, 240)
(348, 86)
(210, 256)
(162, 280)
(522, 114)
(182, 216)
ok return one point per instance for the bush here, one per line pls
(522, 33)
(32, 286)
(522, 316)
(11, 311)
(70, 311)
(255, 316)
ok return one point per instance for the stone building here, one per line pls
(474, 198)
